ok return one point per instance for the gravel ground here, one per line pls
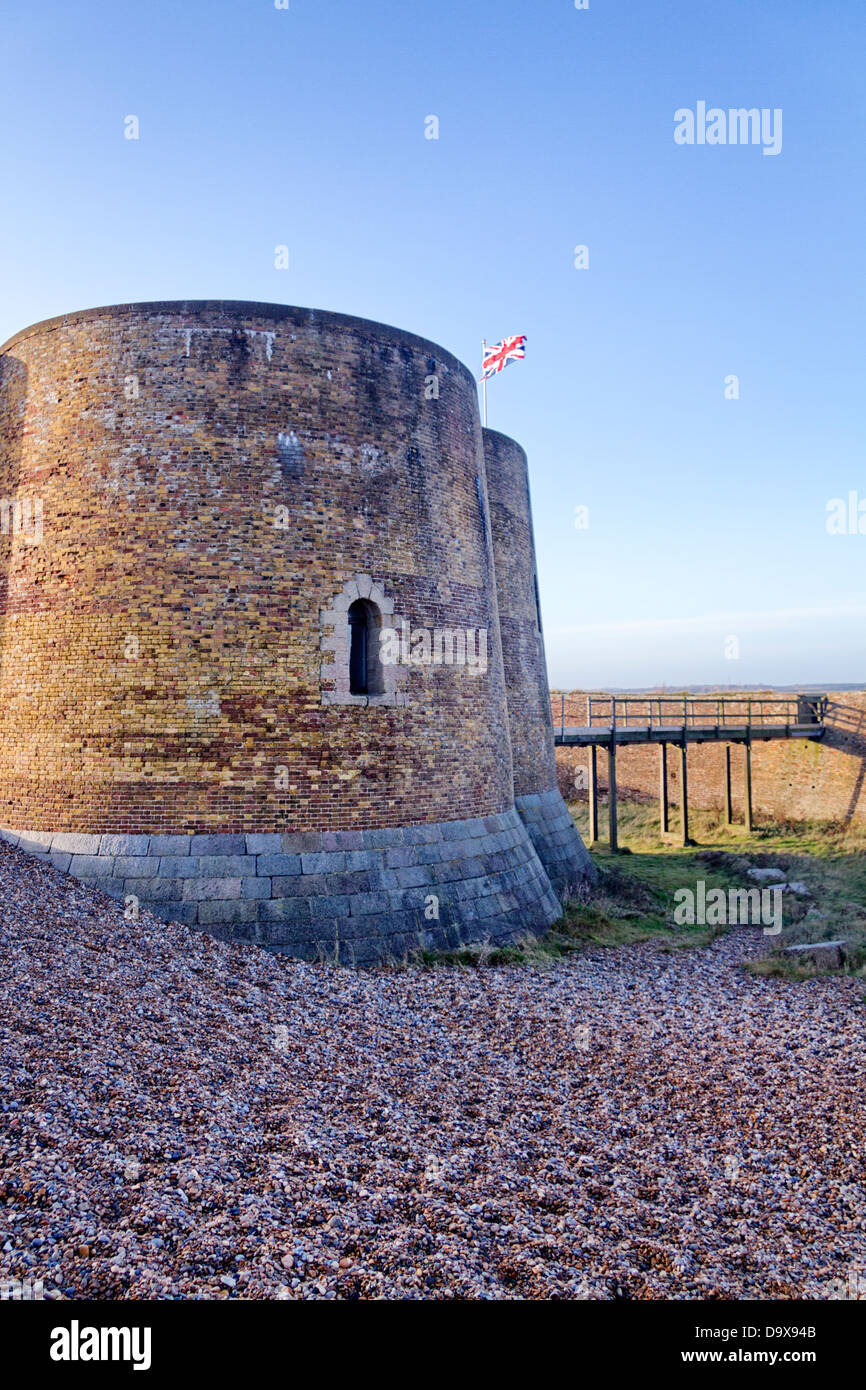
(182, 1118)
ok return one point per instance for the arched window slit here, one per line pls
(365, 668)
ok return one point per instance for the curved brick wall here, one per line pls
(202, 491)
(522, 641)
(536, 795)
(164, 640)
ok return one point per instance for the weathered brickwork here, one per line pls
(164, 639)
(213, 483)
(529, 716)
(537, 797)
(797, 779)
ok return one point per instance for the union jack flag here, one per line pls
(498, 355)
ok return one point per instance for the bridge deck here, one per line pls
(600, 734)
(614, 721)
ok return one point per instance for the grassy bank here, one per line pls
(635, 900)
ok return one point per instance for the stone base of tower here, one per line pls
(354, 896)
(557, 842)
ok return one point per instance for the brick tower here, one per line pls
(252, 674)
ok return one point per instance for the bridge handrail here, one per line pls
(729, 711)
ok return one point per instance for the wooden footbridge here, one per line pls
(610, 721)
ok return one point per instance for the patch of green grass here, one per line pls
(830, 858)
(635, 900)
(633, 903)
(781, 967)
(481, 954)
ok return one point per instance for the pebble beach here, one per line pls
(185, 1118)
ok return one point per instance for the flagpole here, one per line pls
(484, 385)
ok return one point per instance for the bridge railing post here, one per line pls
(684, 789)
(729, 810)
(613, 834)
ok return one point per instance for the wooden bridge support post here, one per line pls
(684, 779)
(748, 788)
(593, 794)
(663, 788)
(729, 810)
(611, 803)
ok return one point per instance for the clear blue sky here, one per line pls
(306, 127)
